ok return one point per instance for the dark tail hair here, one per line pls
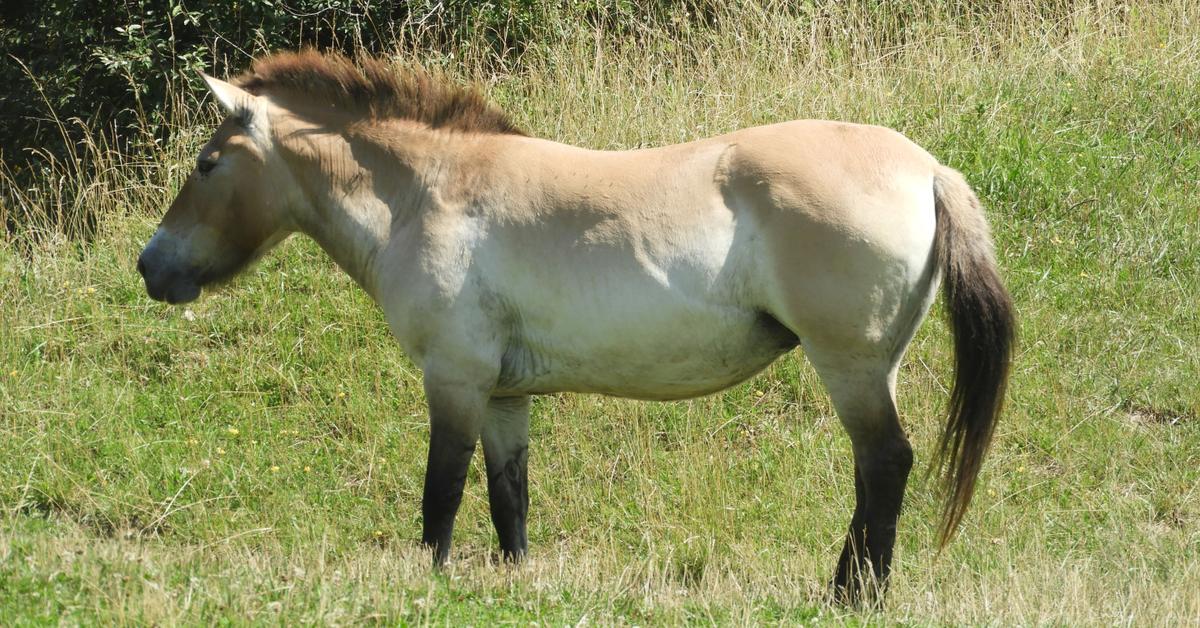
(982, 321)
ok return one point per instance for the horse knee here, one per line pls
(508, 482)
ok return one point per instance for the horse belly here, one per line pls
(698, 355)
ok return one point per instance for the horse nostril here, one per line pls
(141, 266)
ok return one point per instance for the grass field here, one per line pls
(258, 456)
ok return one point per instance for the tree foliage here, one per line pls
(115, 65)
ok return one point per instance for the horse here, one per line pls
(509, 266)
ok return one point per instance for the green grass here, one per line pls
(258, 456)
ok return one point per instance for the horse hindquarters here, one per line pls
(858, 359)
(854, 330)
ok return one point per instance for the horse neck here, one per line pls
(360, 185)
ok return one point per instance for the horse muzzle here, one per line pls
(166, 279)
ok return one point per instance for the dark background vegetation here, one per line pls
(114, 66)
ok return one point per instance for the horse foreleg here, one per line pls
(506, 453)
(455, 416)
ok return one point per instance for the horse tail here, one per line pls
(983, 325)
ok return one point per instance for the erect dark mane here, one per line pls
(375, 89)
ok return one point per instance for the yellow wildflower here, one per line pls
(233, 431)
(91, 290)
(275, 468)
(220, 452)
(307, 468)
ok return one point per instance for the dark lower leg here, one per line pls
(848, 563)
(506, 452)
(449, 456)
(508, 496)
(867, 556)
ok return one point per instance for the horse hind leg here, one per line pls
(862, 394)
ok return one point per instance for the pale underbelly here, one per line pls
(676, 363)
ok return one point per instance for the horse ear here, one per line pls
(240, 103)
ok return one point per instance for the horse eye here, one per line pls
(205, 166)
